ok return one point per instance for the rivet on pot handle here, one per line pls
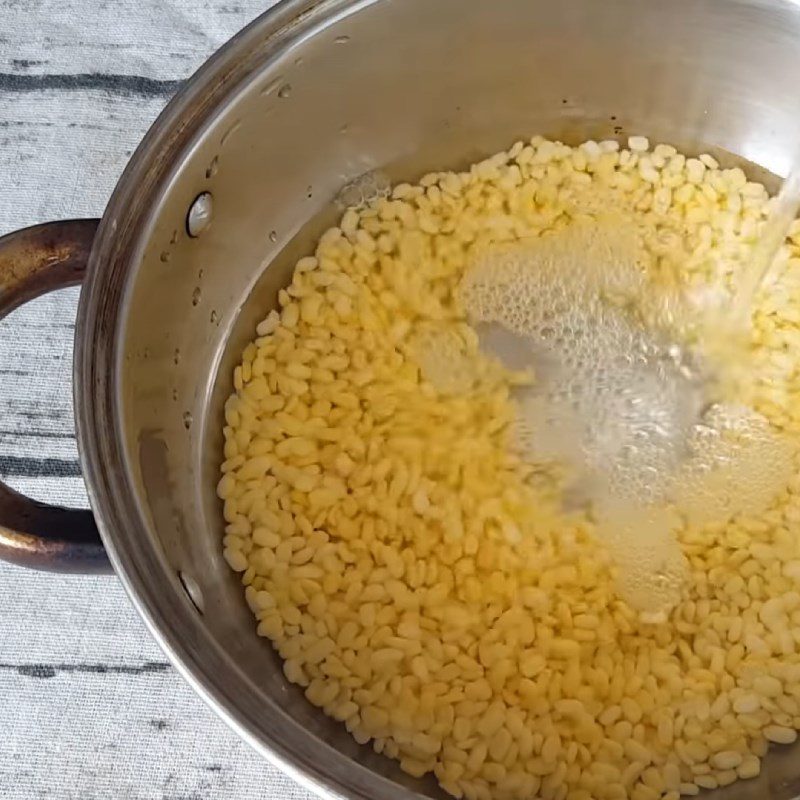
(35, 261)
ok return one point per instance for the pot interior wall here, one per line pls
(401, 87)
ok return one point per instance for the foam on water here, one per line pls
(738, 463)
(613, 399)
(622, 405)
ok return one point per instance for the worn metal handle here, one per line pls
(35, 261)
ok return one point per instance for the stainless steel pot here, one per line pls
(306, 98)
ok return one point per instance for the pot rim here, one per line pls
(317, 766)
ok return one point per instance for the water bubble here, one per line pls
(176, 356)
(187, 420)
(285, 91)
(341, 40)
(363, 190)
(273, 236)
(164, 257)
(212, 168)
(196, 296)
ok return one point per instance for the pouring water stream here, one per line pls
(775, 230)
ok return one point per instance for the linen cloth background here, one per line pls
(89, 707)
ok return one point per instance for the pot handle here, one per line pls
(35, 261)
